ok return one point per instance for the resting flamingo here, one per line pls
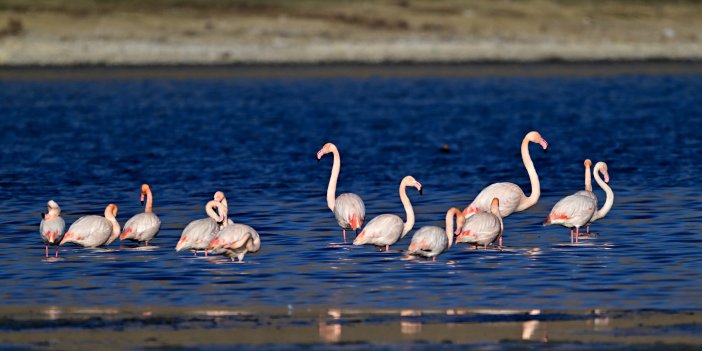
(573, 211)
(387, 229)
(609, 200)
(93, 231)
(431, 241)
(348, 208)
(512, 198)
(198, 233)
(235, 240)
(483, 228)
(52, 226)
(143, 226)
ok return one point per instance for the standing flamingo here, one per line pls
(143, 226)
(588, 187)
(573, 211)
(93, 231)
(198, 233)
(609, 200)
(431, 241)
(52, 226)
(512, 198)
(348, 208)
(235, 240)
(483, 228)
(387, 229)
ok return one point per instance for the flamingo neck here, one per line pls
(609, 201)
(588, 180)
(449, 223)
(529, 201)
(115, 227)
(211, 212)
(331, 190)
(408, 209)
(149, 201)
(53, 213)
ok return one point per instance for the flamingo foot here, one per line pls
(47, 250)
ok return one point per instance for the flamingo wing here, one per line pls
(428, 241)
(349, 210)
(382, 230)
(572, 211)
(197, 234)
(90, 231)
(481, 229)
(510, 195)
(142, 227)
(52, 230)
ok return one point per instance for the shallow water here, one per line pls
(87, 143)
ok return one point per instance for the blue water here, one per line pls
(88, 143)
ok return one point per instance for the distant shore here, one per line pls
(350, 70)
(194, 32)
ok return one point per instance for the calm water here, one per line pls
(88, 143)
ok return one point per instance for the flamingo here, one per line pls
(512, 198)
(573, 211)
(609, 200)
(348, 208)
(235, 240)
(52, 226)
(93, 231)
(483, 228)
(431, 241)
(387, 229)
(143, 226)
(588, 187)
(198, 233)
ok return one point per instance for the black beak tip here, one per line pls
(421, 191)
(43, 216)
(318, 159)
(546, 150)
(142, 202)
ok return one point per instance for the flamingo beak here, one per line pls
(142, 199)
(320, 153)
(43, 215)
(606, 177)
(66, 237)
(457, 232)
(544, 144)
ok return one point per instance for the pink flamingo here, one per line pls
(198, 233)
(483, 228)
(348, 208)
(609, 200)
(143, 226)
(588, 187)
(512, 198)
(387, 229)
(93, 231)
(431, 241)
(574, 211)
(235, 240)
(52, 226)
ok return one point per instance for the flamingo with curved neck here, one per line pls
(483, 228)
(348, 208)
(588, 187)
(94, 231)
(431, 241)
(511, 196)
(387, 229)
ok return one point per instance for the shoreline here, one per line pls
(600, 68)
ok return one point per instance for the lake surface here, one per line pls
(87, 143)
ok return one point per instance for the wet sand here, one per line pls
(134, 328)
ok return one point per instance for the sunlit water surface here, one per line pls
(88, 143)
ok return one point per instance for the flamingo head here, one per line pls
(535, 137)
(605, 173)
(52, 210)
(327, 148)
(218, 196)
(410, 181)
(111, 210)
(144, 190)
(588, 163)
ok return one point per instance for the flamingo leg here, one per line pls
(147, 243)
(571, 235)
(577, 232)
(47, 250)
(344, 230)
(205, 253)
(500, 241)
(588, 229)
(387, 248)
(194, 252)
(433, 259)
(57, 250)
